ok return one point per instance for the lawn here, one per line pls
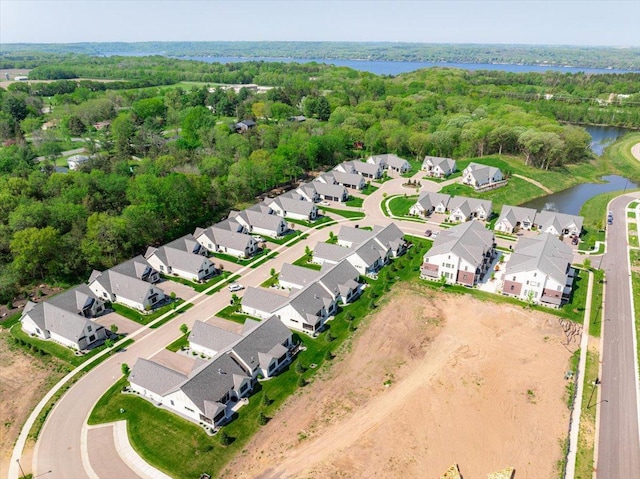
(400, 205)
(516, 192)
(595, 325)
(355, 202)
(635, 282)
(235, 259)
(594, 211)
(584, 455)
(416, 166)
(343, 213)
(179, 343)
(199, 287)
(368, 189)
(303, 261)
(310, 224)
(231, 313)
(619, 158)
(142, 318)
(289, 236)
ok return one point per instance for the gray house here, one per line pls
(116, 287)
(220, 240)
(512, 217)
(429, 203)
(438, 167)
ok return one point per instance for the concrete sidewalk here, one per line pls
(131, 457)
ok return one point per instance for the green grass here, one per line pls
(270, 255)
(516, 192)
(631, 214)
(232, 313)
(343, 213)
(416, 166)
(179, 343)
(633, 205)
(310, 224)
(142, 318)
(368, 189)
(235, 259)
(199, 287)
(355, 202)
(171, 316)
(289, 236)
(618, 157)
(10, 321)
(400, 205)
(595, 324)
(635, 282)
(49, 347)
(302, 261)
(586, 433)
(271, 281)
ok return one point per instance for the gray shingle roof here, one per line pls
(516, 214)
(354, 235)
(347, 178)
(430, 200)
(263, 300)
(370, 251)
(390, 236)
(137, 267)
(155, 377)
(75, 299)
(263, 340)
(336, 277)
(179, 259)
(212, 337)
(122, 285)
(447, 164)
(560, 221)
(298, 275)
(325, 189)
(545, 253)
(467, 240)
(331, 252)
(259, 219)
(467, 205)
(291, 205)
(186, 243)
(482, 173)
(308, 302)
(226, 238)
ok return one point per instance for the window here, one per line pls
(243, 388)
(189, 409)
(161, 267)
(171, 401)
(89, 328)
(272, 367)
(92, 338)
(512, 287)
(38, 331)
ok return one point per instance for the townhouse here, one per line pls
(259, 220)
(367, 170)
(354, 181)
(559, 224)
(390, 162)
(220, 240)
(462, 254)
(287, 206)
(429, 203)
(184, 257)
(438, 167)
(513, 218)
(481, 176)
(128, 288)
(463, 209)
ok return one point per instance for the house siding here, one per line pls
(512, 288)
(466, 277)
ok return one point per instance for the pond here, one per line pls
(571, 200)
(602, 136)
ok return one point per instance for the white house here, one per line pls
(481, 176)
(390, 162)
(539, 270)
(461, 254)
(257, 221)
(116, 287)
(219, 240)
(429, 203)
(438, 167)
(559, 224)
(179, 258)
(288, 207)
(463, 209)
(515, 217)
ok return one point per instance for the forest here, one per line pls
(165, 156)
(589, 57)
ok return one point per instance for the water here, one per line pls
(602, 136)
(571, 200)
(395, 68)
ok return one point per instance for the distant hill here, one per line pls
(578, 56)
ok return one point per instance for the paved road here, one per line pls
(618, 441)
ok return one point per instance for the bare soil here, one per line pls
(24, 380)
(428, 381)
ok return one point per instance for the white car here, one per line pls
(233, 287)
(259, 239)
(324, 203)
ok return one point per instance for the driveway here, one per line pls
(182, 290)
(125, 326)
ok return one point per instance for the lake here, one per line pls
(395, 68)
(602, 136)
(571, 200)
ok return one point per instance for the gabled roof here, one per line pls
(354, 235)
(74, 300)
(347, 178)
(516, 214)
(468, 240)
(467, 205)
(327, 189)
(298, 275)
(544, 253)
(262, 343)
(370, 251)
(430, 200)
(482, 173)
(186, 243)
(258, 219)
(389, 236)
(178, 259)
(212, 337)
(155, 377)
(137, 267)
(309, 301)
(122, 285)
(394, 161)
(544, 219)
(226, 238)
(340, 278)
(229, 224)
(446, 164)
(263, 300)
(388, 159)
(331, 252)
(67, 324)
(292, 205)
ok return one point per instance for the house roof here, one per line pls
(298, 275)
(75, 299)
(388, 159)
(331, 252)
(516, 214)
(179, 259)
(356, 166)
(309, 301)
(389, 236)
(327, 189)
(155, 377)
(212, 337)
(370, 251)
(559, 221)
(347, 178)
(446, 164)
(339, 278)
(544, 253)
(468, 205)
(308, 189)
(229, 224)
(430, 200)
(468, 240)
(67, 324)
(226, 238)
(292, 205)
(482, 173)
(354, 235)
(78, 159)
(262, 343)
(394, 161)
(263, 300)
(137, 267)
(258, 219)
(186, 243)
(122, 285)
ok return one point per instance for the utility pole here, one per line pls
(20, 466)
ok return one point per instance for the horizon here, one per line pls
(589, 23)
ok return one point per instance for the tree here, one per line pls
(123, 130)
(266, 401)
(125, 370)
(262, 419)
(36, 252)
(108, 343)
(184, 328)
(114, 328)
(225, 439)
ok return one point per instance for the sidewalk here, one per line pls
(131, 457)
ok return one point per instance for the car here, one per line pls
(259, 239)
(574, 240)
(324, 203)
(233, 287)
(610, 214)
(428, 233)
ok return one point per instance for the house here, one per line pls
(204, 395)
(348, 180)
(308, 192)
(262, 348)
(539, 270)
(288, 207)
(329, 253)
(245, 125)
(367, 170)
(349, 237)
(116, 287)
(74, 162)
(559, 224)
(391, 162)
(389, 237)
(463, 209)
(65, 318)
(184, 257)
(461, 254)
(438, 167)
(220, 240)
(429, 203)
(330, 191)
(369, 257)
(339, 280)
(297, 118)
(481, 176)
(138, 267)
(513, 218)
(255, 220)
(297, 277)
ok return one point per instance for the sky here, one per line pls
(544, 22)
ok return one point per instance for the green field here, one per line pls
(619, 159)
(355, 202)
(400, 205)
(516, 192)
(344, 213)
(584, 455)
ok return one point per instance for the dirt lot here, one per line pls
(24, 380)
(429, 381)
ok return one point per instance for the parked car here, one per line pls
(324, 203)
(233, 287)
(259, 239)
(428, 233)
(574, 240)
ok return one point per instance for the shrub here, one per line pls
(300, 368)
(262, 419)
(184, 328)
(302, 382)
(225, 439)
(328, 355)
(266, 401)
